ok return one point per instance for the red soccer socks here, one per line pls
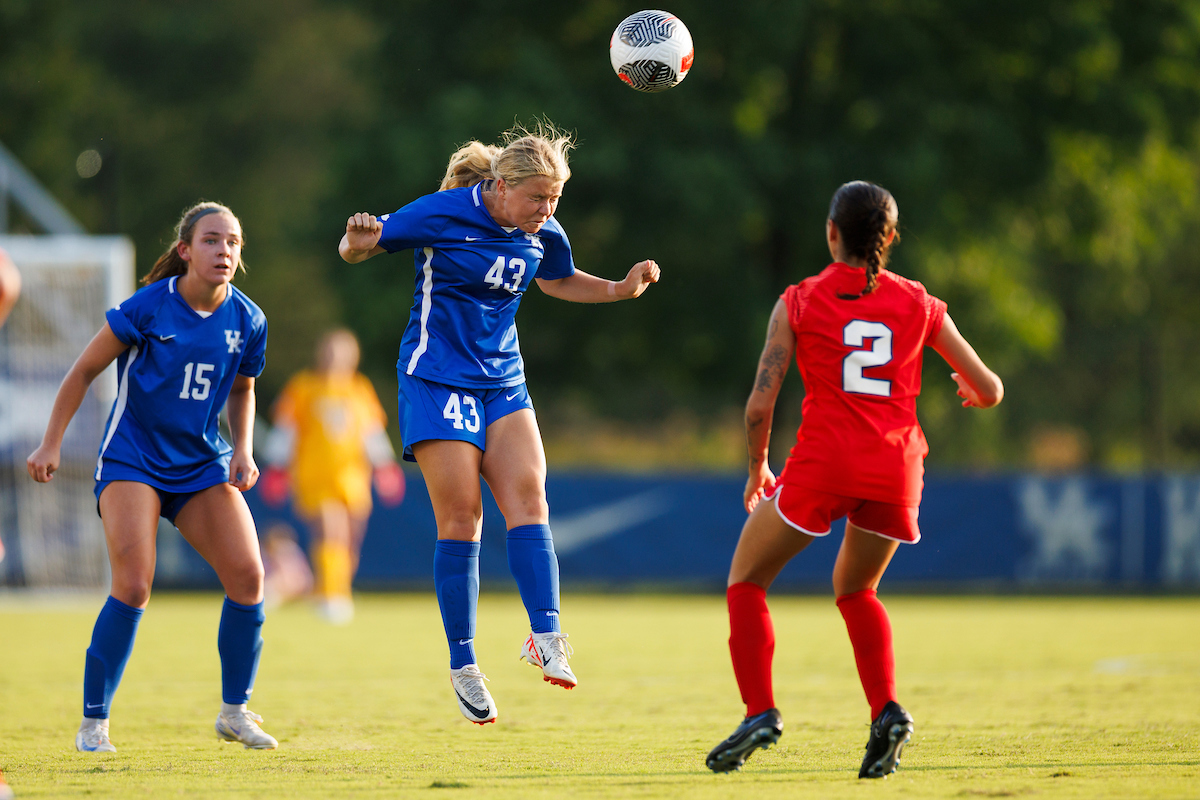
(752, 645)
(871, 636)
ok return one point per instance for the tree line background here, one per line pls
(1045, 158)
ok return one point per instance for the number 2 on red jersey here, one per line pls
(855, 334)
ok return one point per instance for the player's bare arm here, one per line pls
(977, 385)
(241, 405)
(361, 240)
(100, 352)
(582, 287)
(10, 285)
(760, 408)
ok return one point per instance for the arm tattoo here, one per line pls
(774, 365)
(751, 427)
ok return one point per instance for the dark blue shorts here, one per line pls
(172, 502)
(435, 411)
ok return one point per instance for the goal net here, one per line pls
(51, 531)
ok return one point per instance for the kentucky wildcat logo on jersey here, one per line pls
(234, 340)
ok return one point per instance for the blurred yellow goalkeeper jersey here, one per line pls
(332, 418)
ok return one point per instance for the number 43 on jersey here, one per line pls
(495, 275)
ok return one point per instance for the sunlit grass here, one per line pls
(1012, 697)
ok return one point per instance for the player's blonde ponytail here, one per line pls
(540, 152)
(170, 264)
(471, 164)
(865, 215)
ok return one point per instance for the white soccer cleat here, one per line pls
(242, 726)
(93, 737)
(549, 651)
(474, 700)
(336, 610)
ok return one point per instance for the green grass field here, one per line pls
(1076, 697)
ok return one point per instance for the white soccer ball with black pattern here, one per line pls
(651, 51)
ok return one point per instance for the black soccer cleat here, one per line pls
(890, 731)
(761, 730)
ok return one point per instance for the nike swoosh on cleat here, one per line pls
(481, 713)
(545, 661)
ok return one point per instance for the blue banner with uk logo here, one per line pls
(1017, 532)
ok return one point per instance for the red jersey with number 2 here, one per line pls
(861, 365)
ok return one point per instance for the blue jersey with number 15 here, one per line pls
(471, 274)
(172, 383)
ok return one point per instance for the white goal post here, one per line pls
(51, 532)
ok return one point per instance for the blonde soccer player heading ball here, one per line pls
(465, 412)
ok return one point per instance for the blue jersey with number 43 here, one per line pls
(471, 274)
(172, 383)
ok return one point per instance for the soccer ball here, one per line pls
(651, 51)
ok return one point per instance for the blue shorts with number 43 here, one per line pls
(435, 411)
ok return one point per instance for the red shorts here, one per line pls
(810, 511)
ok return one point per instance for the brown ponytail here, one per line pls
(170, 264)
(865, 215)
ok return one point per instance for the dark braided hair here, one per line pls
(865, 214)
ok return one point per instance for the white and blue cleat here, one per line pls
(239, 724)
(474, 700)
(93, 737)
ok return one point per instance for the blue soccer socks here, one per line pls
(456, 578)
(533, 563)
(239, 641)
(107, 655)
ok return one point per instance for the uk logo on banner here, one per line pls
(1181, 531)
(1066, 528)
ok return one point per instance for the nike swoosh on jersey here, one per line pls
(511, 396)
(162, 338)
(481, 713)
(472, 238)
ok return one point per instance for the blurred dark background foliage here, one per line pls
(1044, 156)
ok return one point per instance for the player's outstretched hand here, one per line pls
(969, 395)
(273, 486)
(760, 484)
(243, 472)
(43, 462)
(389, 483)
(642, 275)
(363, 232)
